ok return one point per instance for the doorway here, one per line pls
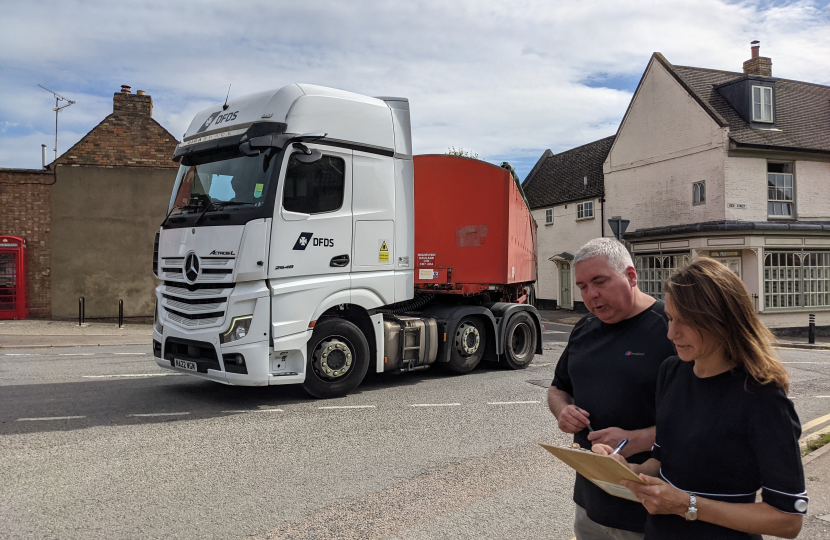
(565, 286)
(733, 263)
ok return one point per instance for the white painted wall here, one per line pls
(666, 143)
(812, 190)
(566, 234)
(746, 183)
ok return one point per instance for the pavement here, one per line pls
(41, 333)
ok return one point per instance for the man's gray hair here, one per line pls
(618, 257)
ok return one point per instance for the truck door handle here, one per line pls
(339, 261)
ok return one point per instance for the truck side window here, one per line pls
(312, 188)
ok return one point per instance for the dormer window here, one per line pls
(762, 104)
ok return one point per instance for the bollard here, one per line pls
(81, 310)
(120, 314)
(811, 329)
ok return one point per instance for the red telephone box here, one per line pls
(13, 303)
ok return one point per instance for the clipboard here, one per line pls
(604, 471)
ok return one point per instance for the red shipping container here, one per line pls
(472, 226)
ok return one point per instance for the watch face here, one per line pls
(691, 515)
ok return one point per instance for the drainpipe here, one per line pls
(602, 215)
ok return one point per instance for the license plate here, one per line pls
(185, 364)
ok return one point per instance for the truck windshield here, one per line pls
(232, 184)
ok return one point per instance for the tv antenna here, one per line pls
(58, 108)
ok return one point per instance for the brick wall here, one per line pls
(25, 210)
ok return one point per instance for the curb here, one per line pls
(815, 454)
(54, 346)
(815, 347)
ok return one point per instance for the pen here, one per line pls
(620, 446)
(590, 429)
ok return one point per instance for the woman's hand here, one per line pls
(605, 450)
(659, 497)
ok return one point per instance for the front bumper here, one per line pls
(282, 364)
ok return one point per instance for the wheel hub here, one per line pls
(332, 358)
(467, 339)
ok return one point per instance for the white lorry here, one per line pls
(288, 252)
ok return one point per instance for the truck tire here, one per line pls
(467, 345)
(338, 358)
(520, 339)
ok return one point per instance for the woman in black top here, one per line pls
(725, 427)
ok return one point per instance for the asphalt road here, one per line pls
(101, 443)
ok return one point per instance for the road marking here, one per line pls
(543, 364)
(555, 332)
(817, 421)
(435, 405)
(511, 402)
(20, 354)
(161, 414)
(255, 410)
(131, 353)
(49, 418)
(348, 407)
(129, 375)
(78, 354)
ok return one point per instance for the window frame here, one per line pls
(580, 210)
(654, 269)
(763, 90)
(798, 282)
(549, 216)
(695, 192)
(284, 182)
(783, 189)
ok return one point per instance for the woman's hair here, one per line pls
(712, 299)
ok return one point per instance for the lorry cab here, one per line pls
(289, 242)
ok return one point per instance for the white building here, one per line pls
(565, 193)
(729, 165)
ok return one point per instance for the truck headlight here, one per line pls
(157, 320)
(238, 330)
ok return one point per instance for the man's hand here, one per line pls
(659, 497)
(572, 419)
(639, 440)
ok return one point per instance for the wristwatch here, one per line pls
(691, 513)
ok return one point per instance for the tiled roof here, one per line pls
(802, 109)
(559, 179)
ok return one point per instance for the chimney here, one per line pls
(758, 65)
(138, 104)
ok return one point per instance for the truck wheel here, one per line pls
(468, 344)
(338, 358)
(519, 341)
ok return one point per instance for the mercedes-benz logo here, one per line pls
(191, 268)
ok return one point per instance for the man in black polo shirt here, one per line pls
(606, 379)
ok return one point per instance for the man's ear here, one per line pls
(631, 274)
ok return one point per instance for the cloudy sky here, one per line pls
(504, 79)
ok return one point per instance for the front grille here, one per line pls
(199, 286)
(195, 301)
(216, 271)
(200, 352)
(196, 316)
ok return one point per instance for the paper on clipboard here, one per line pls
(603, 471)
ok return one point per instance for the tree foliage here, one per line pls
(460, 152)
